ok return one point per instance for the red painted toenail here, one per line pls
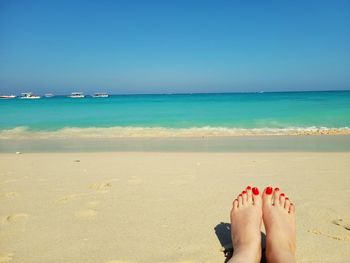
(240, 194)
(269, 190)
(255, 191)
(282, 194)
(277, 189)
(287, 198)
(249, 187)
(244, 192)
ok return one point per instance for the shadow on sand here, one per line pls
(223, 233)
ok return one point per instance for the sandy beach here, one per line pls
(116, 207)
(129, 128)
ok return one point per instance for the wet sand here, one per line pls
(162, 206)
(273, 143)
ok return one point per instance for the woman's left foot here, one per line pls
(279, 221)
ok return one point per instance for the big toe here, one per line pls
(256, 196)
(267, 196)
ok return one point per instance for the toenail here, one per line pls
(277, 189)
(287, 198)
(269, 190)
(282, 194)
(255, 191)
(249, 187)
(244, 192)
(240, 194)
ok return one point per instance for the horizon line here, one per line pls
(190, 93)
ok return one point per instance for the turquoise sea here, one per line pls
(207, 112)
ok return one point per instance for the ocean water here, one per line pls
(184, 114)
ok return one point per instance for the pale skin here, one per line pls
(249, 210)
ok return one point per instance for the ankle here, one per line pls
(283, 255)
(273, 246)
(247, 254)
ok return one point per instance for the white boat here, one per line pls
(100, 95)
(76, 95)
(29, 95)
(7, 96)
(49, 95)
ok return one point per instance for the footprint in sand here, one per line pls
(183, 180)
(92, 204)
(5, 258)
(102, 187)
(134, 180)
(343, 223)
(8, 195)
(9, 181)
(15, 218)
(67, 198)
(86, 214)
(317, 232)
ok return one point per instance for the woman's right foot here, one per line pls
(246, 219)
(279, 220)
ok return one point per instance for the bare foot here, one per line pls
(246, 219)
(279, 220)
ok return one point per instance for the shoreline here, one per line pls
(273, 143)
(24, 132)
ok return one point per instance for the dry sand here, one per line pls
(161, 207)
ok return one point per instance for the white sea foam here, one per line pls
(160, 132)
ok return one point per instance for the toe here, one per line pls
(282, 199)
(267, 196)
(240, 200)
(292, 209)
(244, 197)
(235, 204)
(276, 195)
(249, 194)
(287, 204)
(256, 196)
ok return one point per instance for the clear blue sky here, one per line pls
(173, 46)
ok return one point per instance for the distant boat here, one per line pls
(76, 95)
(49, 95)
(7, 96)
(100, 95)
(29, 95)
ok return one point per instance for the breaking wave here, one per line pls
(160, 132)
